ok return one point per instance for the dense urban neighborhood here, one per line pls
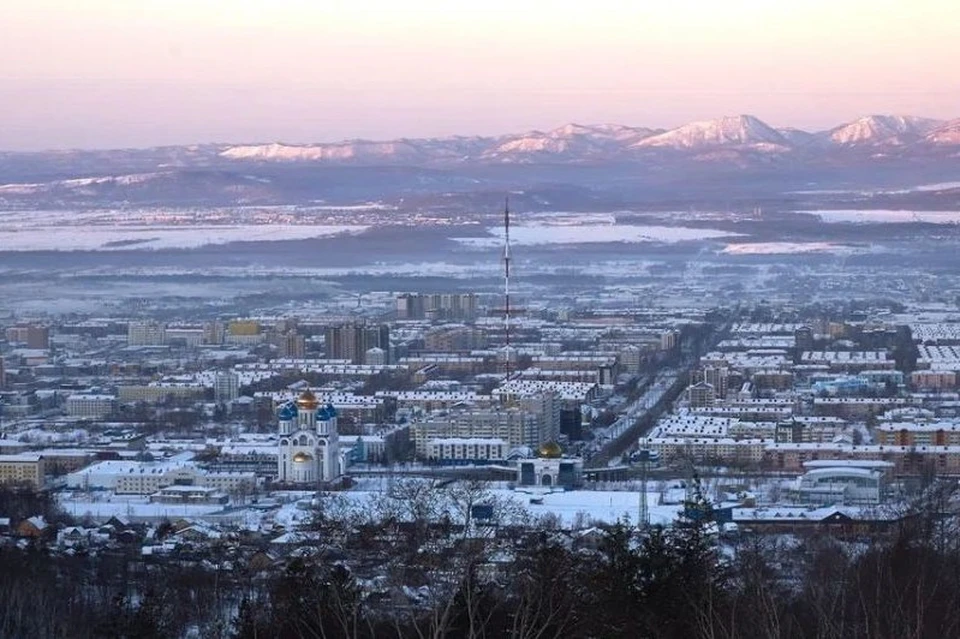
(408, 463)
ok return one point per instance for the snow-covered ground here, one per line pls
(138, 509)
(921, 188)
(603, 506)
(569, 507)
(783, 248)
(536, 234)
(876, 216)
(42, 236)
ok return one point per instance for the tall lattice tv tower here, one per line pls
(506, 269)
(507, 354)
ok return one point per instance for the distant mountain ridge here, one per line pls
(741, 130)
(574, 164)
(876, 130)
(721, 138)
(590, 143)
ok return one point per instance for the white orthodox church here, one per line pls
(309, 445)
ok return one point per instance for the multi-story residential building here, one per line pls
(157, 392)
(809, 428)
(717, 377)
(91, 406)
(919, 433)
(455, 338)
(669, 340)
(435, 400)
(906, 460)
(701, 395)
(454, 306)
(16, 404)
(183, 336)
(631, 357)
(850, 361)
(707, 449)
(352, 340)
(605, 367)
(467, 449)
(530, 422)
(226, 386)
(445, 363)
(214, 333)
(59, 461)
(934, 379)
(31, 336)
(855, 407)
(290, 344)
(146, 334)
(572, 392)
(23, 468)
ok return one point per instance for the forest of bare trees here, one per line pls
(399, 573)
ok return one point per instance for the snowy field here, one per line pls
(604, 506)
(922, 188)
(886, 216)
(789, 248)
(565, 233)
(41, 235)
(136, 509)
(569, 507)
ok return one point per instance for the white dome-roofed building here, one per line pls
(309, 443)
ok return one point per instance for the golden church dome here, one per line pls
(550, 450)
(307, 401)
(302, 457)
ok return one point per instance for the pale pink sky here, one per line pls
(108, 73)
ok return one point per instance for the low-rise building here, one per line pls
(146, 478)
(159, 392)
(919, 433)
(933, 379)
(466, 449)
(177, 494)
(847, 484)
(564, 472)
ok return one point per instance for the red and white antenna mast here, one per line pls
(506, 275)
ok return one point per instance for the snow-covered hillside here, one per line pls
(946, 135)
(740, 130)
(876, 130)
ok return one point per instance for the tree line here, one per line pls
(403, 575)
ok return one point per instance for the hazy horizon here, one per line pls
(112, 74)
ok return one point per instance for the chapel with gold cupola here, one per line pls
(309, 444)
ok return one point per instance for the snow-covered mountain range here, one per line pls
(623, 162)
(739, 137)
(574, 143)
